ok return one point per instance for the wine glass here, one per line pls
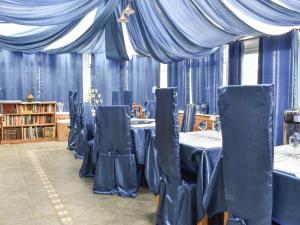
(203, 125)
(294, 139)
(217, 126)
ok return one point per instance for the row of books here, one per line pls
(27, 120)
(12, 134)
(27, 108)
(38, 132)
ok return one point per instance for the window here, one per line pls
(86, 76)
(250, 62)
(163, 75)
(225, 65)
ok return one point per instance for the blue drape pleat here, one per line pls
(235, 58)
(105, 76)
(276, 66)
(178, 76)
(143, 74)
(207, 73)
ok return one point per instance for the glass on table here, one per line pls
(203, 125)
(294, 140)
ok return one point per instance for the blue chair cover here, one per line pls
(88, 166)
(73, 105)
(286, 198)
(116, 169)
(85, 129)
(188, 120)
(150, 107)
(177, 204)
(247, 128)
(123, 98)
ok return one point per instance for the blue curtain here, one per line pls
(18, 75)
(105, 76)
(235, 58)
(178, 76)
(143, 74)
(59, 74)
(207, 74)
(276, 66)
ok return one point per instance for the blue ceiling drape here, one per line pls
(235, 58)
(276, 66)
(105, 76)
(45, 13)
(59, 74)
(143, 74)
(207, 73)
(178, 76)
(114, 39)
(18, 75)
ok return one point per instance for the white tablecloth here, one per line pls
(287, 159)
(201, 139)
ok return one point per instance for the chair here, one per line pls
(188, 120)
(246, 114)
(177, 205)
(116, 169)
(73, 105)
(150, 108)
(85, 129)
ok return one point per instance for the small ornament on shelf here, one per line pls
(30, 97)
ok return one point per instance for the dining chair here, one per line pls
(246, 114)
(188, 120)
(73, 104)
(116, 169)
(150, 108)
(177, 196)
(85, 129)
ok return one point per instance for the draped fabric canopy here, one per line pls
(190, 30)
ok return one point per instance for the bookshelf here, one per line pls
(27, 121)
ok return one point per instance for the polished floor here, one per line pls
(39, 184)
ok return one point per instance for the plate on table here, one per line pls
(135, 121)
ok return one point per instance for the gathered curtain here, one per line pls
(48, 77)
(143, 74)
(207, 76)
(235, 58)
(277, 66)
(18, 75)
(179, 76)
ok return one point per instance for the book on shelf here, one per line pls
(10, 120)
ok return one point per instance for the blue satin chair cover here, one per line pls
(73, 107)
(86, 129)
(246, 114)
(177, 204)
(150, 107)
(188, 120)
(116, 169)
(123, 98)
(286, 198)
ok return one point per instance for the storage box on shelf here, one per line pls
(27, 121)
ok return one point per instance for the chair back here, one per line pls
(167, 134)
(188, 120)
(246, 114)
(113, 130)
(88, 121)
(150, 108)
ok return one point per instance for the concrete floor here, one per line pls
(39, 184)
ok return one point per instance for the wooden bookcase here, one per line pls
(27, 122)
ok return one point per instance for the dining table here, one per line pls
(201, 155)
